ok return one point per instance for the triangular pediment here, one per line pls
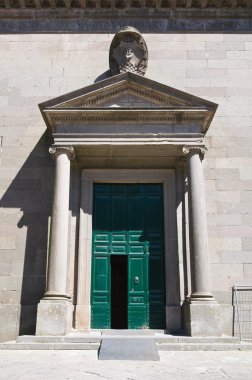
(128, 99)
(127, 91)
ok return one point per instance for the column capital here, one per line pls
(190, 150)
(55, 151)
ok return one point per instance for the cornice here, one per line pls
(175, 116)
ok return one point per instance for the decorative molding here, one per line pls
(190, 150)
(188, 20)
(128, 89)
(88, 178)
(129, 119)
(97, 8)
(55, 151)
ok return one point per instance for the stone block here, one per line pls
(173, 319)
(230, 231)
(54, 317)
(12, 297)
(204, 37)
(202, 54)
(209, 73)
(226, 317)
(201, 319)
(171, 55)
(235, 257)
(247, 219)
(225, 46)
(82, 317)
(10, 282)
(224, 219)
(246, 196)
(247, 244)
(247, 269)
(239, 54)
(223, 297)
(5, 268)
(222, 174)
(224, 276)
(233, 184)
(9, 321)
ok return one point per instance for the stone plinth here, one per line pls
(201, 319)
(54, 317)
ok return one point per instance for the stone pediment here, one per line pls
(126, 91)
(127, 104)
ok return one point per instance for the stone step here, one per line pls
(71, 338)
(95, 337)
(201, 339)
(204, 347)
(48, 346)
(92, 340)
(95, 346)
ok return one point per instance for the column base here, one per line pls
(173, 319)
(83, 317)
(201, 318)
(54, 317)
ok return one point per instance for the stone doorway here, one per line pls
(128, 234)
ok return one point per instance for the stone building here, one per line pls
(126, 164)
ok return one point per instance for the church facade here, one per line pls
(126, 182)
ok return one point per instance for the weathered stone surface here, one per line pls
(9, 321)
(202, 319)
(54, 317)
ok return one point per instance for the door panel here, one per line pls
(101, 292)
(128, 221)
(138, 304)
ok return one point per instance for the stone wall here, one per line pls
(35, 68)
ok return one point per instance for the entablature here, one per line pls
(108, 112)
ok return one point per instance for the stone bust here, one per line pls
(128, 52)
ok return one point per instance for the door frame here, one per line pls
(172, 278)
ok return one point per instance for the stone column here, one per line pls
(202, 314)
(55, 309)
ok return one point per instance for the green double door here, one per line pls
(128, 281)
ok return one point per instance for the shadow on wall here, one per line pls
(31, 193)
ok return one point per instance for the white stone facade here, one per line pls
(35, 68)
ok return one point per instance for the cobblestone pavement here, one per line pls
(76, 365)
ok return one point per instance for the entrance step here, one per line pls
(204, 347)
(91, 340)
(13, 345)
(73, 341)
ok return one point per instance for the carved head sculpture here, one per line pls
(128, 52)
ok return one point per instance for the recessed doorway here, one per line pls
(128, 282)
(119, 292)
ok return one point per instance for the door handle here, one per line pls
(136, 280)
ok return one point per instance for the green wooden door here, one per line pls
(128, 220)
